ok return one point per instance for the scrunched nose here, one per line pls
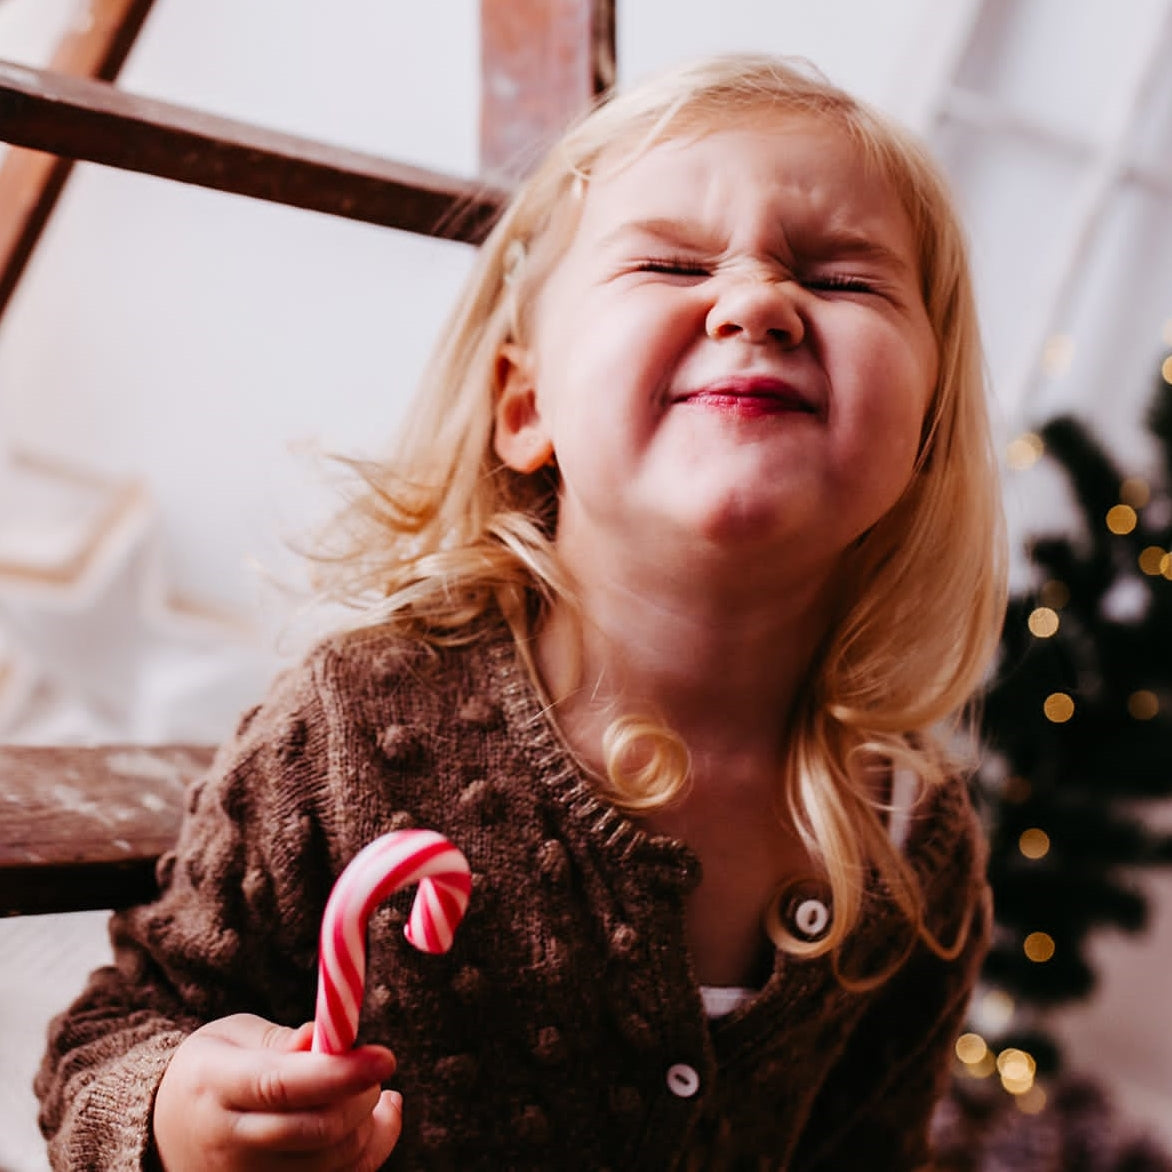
(757, 310)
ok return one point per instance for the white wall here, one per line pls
(190, 337)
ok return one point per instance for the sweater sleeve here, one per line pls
(233, 930)
(875, 1112)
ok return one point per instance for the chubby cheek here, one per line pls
(610, 382)
(883, 425)
(890, 430)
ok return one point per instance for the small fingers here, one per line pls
(388, 1124)
(318, 1130)
(296, 1081)
(329, 1145)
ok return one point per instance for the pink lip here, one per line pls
(751, 396)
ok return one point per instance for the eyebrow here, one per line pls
(852, 244)
(664, 228)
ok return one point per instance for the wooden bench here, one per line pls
(82, 828)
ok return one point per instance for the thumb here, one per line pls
(298, 1039)
(255, 1033)
(252, 1032)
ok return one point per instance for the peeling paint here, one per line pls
(145, 764)
(67, 796)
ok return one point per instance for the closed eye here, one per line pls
(839, 282)
(672, 267)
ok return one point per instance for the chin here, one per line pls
(738, 522)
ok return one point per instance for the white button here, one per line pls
(811, 917)
(682, 1080)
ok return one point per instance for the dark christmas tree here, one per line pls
(1078, 725)
(1077, 728)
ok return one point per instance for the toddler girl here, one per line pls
(684, 566)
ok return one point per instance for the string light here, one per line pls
(1027, 449)
(1121, 519)
(996, 1009)
(1054, 594)
(971, 1048)
(1043, 622)
(1153, 560)
(1135, 491)
(1143, 705)
(1057, 354)
(1039, 947)
(1017, 1070)
(1034, 843)
(1059, 707)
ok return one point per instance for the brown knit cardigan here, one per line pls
(564, 1030)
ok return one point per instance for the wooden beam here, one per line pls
(89, 120)
(542, 62)
(84, 827)
(95, 45)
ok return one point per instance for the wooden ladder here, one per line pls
(82, 828)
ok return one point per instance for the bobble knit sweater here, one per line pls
(565, 1029)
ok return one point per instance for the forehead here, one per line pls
(770, 167)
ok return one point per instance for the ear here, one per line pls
(519, 435)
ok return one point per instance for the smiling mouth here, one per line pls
(752, 396)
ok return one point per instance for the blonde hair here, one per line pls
(443, 533)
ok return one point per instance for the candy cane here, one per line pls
(388, 864)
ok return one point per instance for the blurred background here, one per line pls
(174, 358)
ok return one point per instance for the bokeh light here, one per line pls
(1039, 947)
(996, 1009)
(1017, 1070)
(1059, 707)
(1143, 705)
(1153, 559)
(1043, 622)
(971, 1048)
(1121, 519)
(1034, 843)
(1024, 451)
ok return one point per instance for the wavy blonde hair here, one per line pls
(442, 533)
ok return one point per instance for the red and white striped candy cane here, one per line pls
(390, 863)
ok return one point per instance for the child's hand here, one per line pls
(243, 1093)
